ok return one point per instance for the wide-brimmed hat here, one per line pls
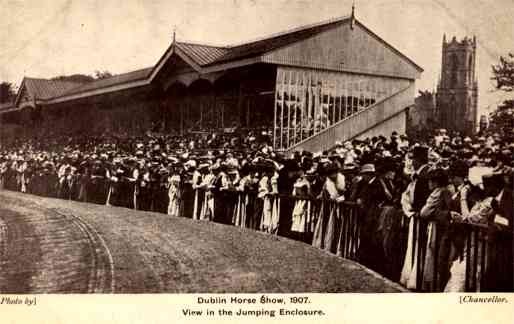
(420, 153)
(203, 166)
(190, 164)
(291, 165)
(330, 168)
(350, 166)
(386, 164)
(368, 168)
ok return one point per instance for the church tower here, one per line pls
(457, 91)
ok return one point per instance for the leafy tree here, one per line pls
(102, 74)
(81, 78)
(503, 75)
(7, 92)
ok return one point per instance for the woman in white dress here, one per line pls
(174, 193)
(208, 185)
(240, 216)
(198, 188)
(267, 192)
(302, 208)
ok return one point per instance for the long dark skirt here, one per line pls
(144, 198)
(64, 190)
(370, 251)
(255, 215)
(160, 200)
(392, 235)
(286, 217)
(224, 203)
(188, 198)
(97, 191)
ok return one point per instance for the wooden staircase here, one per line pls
(358, 123)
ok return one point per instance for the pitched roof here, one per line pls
(205, 55)
(111, 81)
(202, 54)
(46, 89)
(269, 43)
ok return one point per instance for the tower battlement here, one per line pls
(457, 91)
(463, 44)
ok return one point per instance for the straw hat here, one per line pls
(368, 168)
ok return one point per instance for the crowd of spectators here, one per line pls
(240, 179)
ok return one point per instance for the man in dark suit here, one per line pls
(505, 206)
(413, 199)
(500, 244)
(505, 202)
(419, 179)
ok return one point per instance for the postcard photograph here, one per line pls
(243, 146)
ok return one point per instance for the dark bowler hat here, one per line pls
(459, 168)
(350, 167)
(386, 164)
(291, 165)
(420, 153)
(439, 176)
(330, 168)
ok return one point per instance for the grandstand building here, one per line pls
(311, 86)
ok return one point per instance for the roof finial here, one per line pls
(174, 32)
(352, 22)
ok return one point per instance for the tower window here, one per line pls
(454, 63)
(470, 69)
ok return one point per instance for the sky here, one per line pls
(46, 38)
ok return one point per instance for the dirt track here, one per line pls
(56, 246)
